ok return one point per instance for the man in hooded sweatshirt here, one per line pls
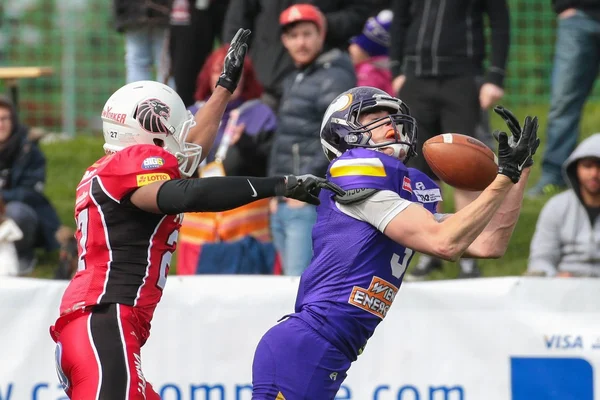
(567, 237)
(22, 179)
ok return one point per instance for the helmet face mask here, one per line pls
(148, 112)
(341, 129)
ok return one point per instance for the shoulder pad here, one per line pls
(355, 196)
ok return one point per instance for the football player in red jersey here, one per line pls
(128, 209)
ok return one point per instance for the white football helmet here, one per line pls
(148, 112)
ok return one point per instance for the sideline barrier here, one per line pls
(484, 339)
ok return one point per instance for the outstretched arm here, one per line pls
(225, 193)
(416, 228)
(493, 241)
(494, 212)
(209, 116)
(208, 119)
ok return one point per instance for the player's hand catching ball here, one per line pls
(306, 188)
(514, 126)
(516, 152)
(234, 61)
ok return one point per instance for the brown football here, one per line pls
(461, 161)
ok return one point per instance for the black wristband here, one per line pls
(227, 84)
(513, 173)
(215, 194)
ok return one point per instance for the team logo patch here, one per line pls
(153, 163)
(146, 179)
(428, 195)
(376, 299)
(406, 184)
(152, 115)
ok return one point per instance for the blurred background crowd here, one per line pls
(451, 61)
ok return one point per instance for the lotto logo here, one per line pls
(146, 179)
(153, 163)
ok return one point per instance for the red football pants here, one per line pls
(98, 356)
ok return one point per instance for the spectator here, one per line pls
(344, 19)
(22, 178)
(565, 242)
(318, 78)
(576, 63)
(369, 53)
(437, 63)
(195, 26)
(241, 147)
(144, 24)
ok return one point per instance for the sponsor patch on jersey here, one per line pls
(153, 163)
(146, 179)
(376, 299)
(406, 184)
(428, 195)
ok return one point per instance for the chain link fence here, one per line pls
(77, 39)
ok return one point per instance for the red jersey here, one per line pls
(124, 252)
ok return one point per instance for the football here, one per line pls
(461, 161)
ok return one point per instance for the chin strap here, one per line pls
(397, 148)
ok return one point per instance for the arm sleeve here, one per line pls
(216, 193)
(545, 249)
(398, 29)
(378, 210)
(497, 11)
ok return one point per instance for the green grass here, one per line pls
(67, 161)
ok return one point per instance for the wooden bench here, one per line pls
(12, 75)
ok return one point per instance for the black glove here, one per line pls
(234, 61)
(514, 126)
(515, 153)
(306, 188)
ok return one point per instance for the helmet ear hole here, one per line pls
(159, 142)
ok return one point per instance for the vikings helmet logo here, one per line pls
(151, 113)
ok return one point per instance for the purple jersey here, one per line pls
(356, 270)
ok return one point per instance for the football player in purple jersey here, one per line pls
(364, 240)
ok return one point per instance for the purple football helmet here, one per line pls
(341, 131)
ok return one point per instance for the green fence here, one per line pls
(77, 39)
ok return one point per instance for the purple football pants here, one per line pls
(293, 362)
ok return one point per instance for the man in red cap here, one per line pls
(318, 78)
(345, 19)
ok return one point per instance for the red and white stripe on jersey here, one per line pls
(124, 252)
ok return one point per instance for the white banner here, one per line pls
(484, 339)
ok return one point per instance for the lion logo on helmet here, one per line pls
(151, 114)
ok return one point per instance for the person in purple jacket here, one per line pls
(364, 240)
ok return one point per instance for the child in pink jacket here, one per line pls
(369, 52)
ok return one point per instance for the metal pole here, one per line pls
(68, 74)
